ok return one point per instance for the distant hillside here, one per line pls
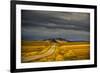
(56, 40)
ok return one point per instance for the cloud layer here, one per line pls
(37, 25)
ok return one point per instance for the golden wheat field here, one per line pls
(47, 51)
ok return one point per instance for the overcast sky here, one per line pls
(72, 26)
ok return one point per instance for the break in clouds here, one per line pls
(38, 25)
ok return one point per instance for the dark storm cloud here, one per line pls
(50, 24)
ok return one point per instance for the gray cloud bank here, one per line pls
(72, 26)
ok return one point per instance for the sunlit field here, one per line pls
(49, 51)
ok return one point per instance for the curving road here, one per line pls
(47, 52)
(50, 51)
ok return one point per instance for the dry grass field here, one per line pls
(46, 50)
